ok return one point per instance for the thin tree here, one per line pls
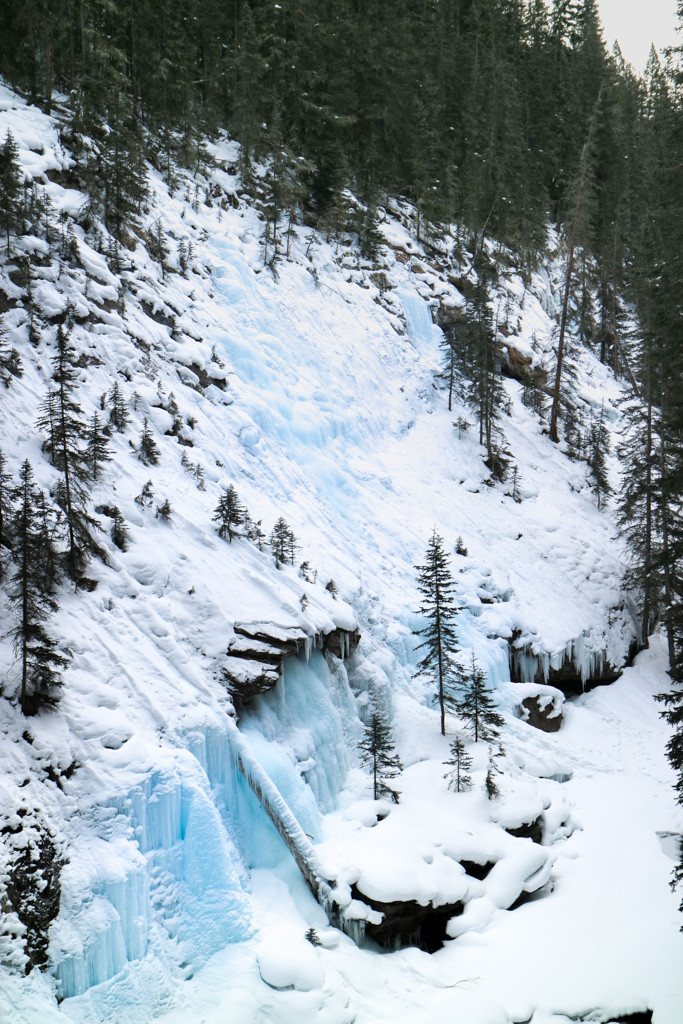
(439, 608)
(119, 533)
(147, 449)
(118, 414)
(460, 763)
(476, 705)
(61, 416)
(6, 510)
(10, 186)
(598, 450)
(490, 784)
(97, 448)
(32, 595)
(578, 225)
(377, 750)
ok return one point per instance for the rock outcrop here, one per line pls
(543, 713)
(408, 923)
(256, 654)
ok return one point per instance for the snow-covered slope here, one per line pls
(312, 391)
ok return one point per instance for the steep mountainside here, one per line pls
(140, 872)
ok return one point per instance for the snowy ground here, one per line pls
(178, 898)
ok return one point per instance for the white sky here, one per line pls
(636, 24)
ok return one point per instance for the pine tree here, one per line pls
(32, 595)
(157, 246)
(61, 417)
(460, 762)
(476, 705)
(439, 608)
(598, 450)
(449, 362)
(10, 186)
(377, 750)
(147, 449)
(479, 359)
(118, 414)
(490, 784)
(10, 363)
(145, 499)
(164, 511)
(637, 505)
(579, 230)
(97, 448)
(229, 513)
(255, 533)
(6, 511)
(119, 534)
(283, 542)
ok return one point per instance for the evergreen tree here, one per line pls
(147, 449)
(118, 414)
(377, 750)
(479, 358)
(449, 362)
(97, 448)
(157, 246)
(476, 705)
(255, 533)
(164, 511)
(6, 511)
(61, 417)
(32, 596)
(10, 186)
(439, 608)
(460, 763)
(579, 233)
(637, 506)
(229, 513)
(145, 499)
(283, 542)
(119, 534)
(598, 450)
(490, 784)
(10, 363)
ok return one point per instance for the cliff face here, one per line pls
(313, 391)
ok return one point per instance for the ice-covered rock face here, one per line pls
(163, 845)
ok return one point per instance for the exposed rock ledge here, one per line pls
(256, 653)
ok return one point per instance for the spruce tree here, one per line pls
(10, 186)
(31, 593)
(118, 413)
(377, 750)
(97, 448)
(479, 359)
(61, 416)
(439, 608)
(598, 450)
(164, 511)
(637, 506)
(229, 513)
(119, 534)
(583, 189)
(283, 542)
(476, 705)
(6, 510)
(460, 763)
(147, 449)
(490, 784)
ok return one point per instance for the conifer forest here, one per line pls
(341, 536)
